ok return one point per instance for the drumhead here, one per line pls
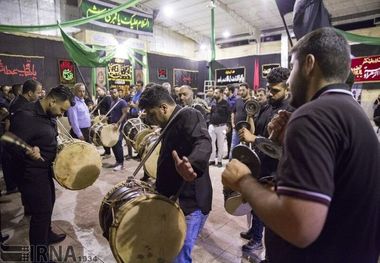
(150, 166)
(150, 228)
(77, 165)
(132, 127)
(109, 136)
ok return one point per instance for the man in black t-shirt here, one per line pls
(326, 206)
(219, 114)
(239, 113)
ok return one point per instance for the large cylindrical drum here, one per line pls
(141, 225)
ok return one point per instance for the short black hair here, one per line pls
(62, 93)
(331, 52)
(154, 96)
(17, 89)
(245, 84)
(278, 75)
(150, 84)
(140, 82)
(261, 90)
(231, 87)
(30, 85)
(220, 88)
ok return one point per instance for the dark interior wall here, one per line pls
(156, 61)
(249, 64)
(160, 61)
(50, 49)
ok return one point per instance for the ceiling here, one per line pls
(253, 18)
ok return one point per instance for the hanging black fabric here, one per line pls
(308, 16)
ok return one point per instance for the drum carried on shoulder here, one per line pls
(131, 128)
(141, 225)
(77, 164)
(103, 134)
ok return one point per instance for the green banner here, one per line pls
(359, 39)
(125, 20)
(72, 23)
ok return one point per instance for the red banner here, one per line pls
(366, 69)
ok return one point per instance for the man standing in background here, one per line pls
(79, 115)
(218, 120)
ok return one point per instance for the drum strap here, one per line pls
(149, 153)
(175, 197)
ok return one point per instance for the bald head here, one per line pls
(186, 95)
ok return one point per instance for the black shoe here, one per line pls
(105, 153)
(56, 238)
(246, 235)
(3, 238)
(128, 157)
(252, 246)
(226, 157)
(211, 163)
(220, 165)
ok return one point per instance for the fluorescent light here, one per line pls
(168, 11)
(226, 34)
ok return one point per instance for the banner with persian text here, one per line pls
(127, 20)
(16, 69)
(226, 76)
(366, 69)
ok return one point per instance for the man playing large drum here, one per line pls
(37, 126)
(118, 115)
(183, 160)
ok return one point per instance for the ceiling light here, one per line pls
(226, 34)
(168, 11)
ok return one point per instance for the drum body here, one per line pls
(150, 166)
(102, 134)
(139, 138)
(132, 127)
(77, 165)
(234, 203)
(140, 225)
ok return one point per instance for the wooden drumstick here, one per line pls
(13, 139)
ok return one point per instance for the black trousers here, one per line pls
(39, 192)
(10, 170)
(118, 150)
(85, 132)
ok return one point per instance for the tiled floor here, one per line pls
(76, 214)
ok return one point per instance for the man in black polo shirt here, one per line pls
(326, 207)
(36, 125)
(183, 159)
(218, 119)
